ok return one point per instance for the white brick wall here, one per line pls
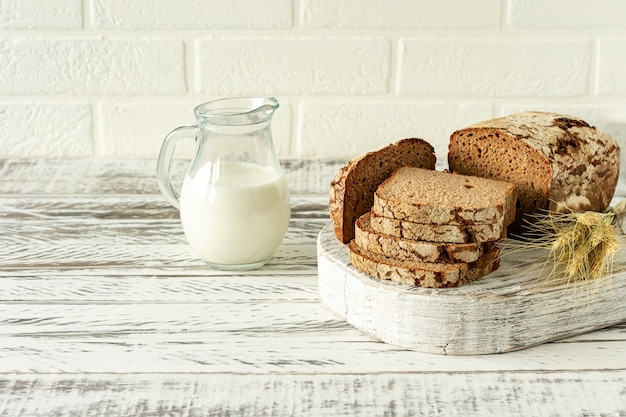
(302, 65)
(488, 67)
(85, 78)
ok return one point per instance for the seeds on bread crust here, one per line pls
(414, 250)
(450, 233)
(432, 275)
(559, 162)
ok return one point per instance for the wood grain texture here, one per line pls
(104, 311)
(558, 394)
(247, 337)
(98, 176)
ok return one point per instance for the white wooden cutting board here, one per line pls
(507, 310)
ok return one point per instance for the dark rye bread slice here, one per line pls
(559, 162)
(428, 196)
(352, 190)
(445, 233)
(423, 274)
(414, 250)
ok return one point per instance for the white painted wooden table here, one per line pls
(104, 311)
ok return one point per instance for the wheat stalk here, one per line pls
(581, 245)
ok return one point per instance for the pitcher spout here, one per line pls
(264, 111)
(237, 111)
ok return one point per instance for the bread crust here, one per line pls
(431, 275)
(352, 190)
(445, 233)
(414, 250)
(559, 162)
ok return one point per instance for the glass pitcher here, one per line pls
(234, 202)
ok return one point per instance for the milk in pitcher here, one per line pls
(235, 213)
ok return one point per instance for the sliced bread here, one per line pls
(352, 190)
(414, 250)
(559, 162)
(428, 196)
(447, 233)
(423, 274)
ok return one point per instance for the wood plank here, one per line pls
(555, 394)
(136, 176)
(125, 207)
(100, 207)
(89, 232)
(129, 259)
(107, 289)
(79, 176)
(123, 220)
(278, 337)
(71, 288)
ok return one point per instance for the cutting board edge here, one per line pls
(451, 322)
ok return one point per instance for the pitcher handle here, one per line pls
(165, 161)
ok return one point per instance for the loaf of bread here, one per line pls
(414, 250)
(428, 196)
(559, 162)
(423, 274)
(352, 190)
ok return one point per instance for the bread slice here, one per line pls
(352, 190)
(428, 196)
(446, 233)
(423, 274)
(559, 162)
(414, 250)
